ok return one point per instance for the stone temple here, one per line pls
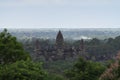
(59, 51)
(59, 40)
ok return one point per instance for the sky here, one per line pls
(59, 13)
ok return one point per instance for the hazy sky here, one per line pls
(59, 13)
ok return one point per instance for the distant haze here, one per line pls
(68, 34)
(59, 13)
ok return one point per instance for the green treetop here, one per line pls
(10, 49)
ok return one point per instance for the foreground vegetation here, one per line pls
(16, 64)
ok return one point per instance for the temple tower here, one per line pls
(37, 47)
(82, 45)
(36, 50)
(59, 40)
(82, 48)
(37, 44)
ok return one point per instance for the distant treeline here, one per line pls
(74, 34)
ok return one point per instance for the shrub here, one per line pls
(22, 70)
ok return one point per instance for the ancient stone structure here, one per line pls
(82, 44)
(82, 48)
(37, 44)
(59, 50)
(37, 48)
(59, 40)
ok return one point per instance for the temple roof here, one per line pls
(59, 39)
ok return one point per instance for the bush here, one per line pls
(22, 70)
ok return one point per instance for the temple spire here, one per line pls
(82, 45)
(59, 40)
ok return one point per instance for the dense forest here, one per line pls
(17, 60)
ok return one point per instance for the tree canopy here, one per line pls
(113, 71)
(22, 70)
(10, 49)
(85, 70)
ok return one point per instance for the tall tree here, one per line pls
(10, 49)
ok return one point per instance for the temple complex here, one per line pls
(60, 50)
